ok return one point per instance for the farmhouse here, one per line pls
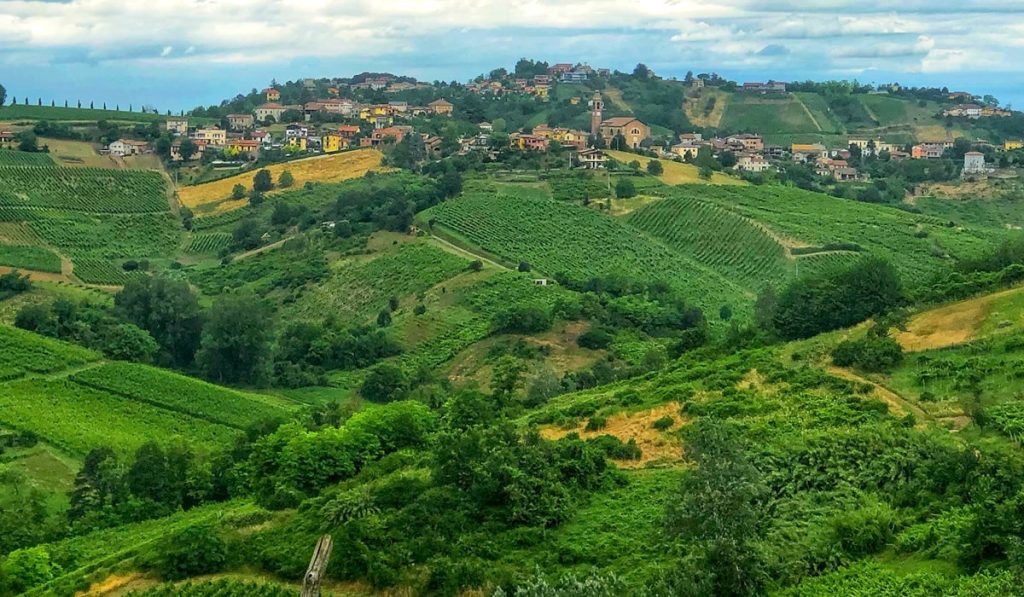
(212, 135)
(239, 146)
(177, 126)
(974, 163)
(927, 151)
(972, 111)
(802, 151)
(270, 110)
(771, 87)
(591, 159)
(6, 137)
(241, 122)
(1013, 145)
(632, 130)
(127, 147)
(441, 107)
(527, 142)
(272, 95)
(752, 163)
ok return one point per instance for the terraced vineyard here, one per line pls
(24, 352)
(92, 190)
(101, 271)
(182, 394)
(558, 238)
(28, 257)
(917, 245)
(716, 237)
(817, 263)
(23, 158)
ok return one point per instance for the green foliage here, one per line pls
(385, 383)
(90, 190)
(872, 353)
(262, 181)
(523, 319)
(26, 568)
(285, 180)
(169, 311)
(235, 344)
(624, 188)
(193, 551)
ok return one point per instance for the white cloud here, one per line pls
(166, 51)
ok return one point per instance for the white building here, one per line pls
(974, 163)
(752, 163)
(126, 147)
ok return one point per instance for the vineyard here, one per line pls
(101, 271)
(23, 111)
(217, 588)
(358, 290)
(208, 242)
(558, 238)
(24, 352)
(26, 257)
(178, 393)
(92, 190)
(57, 409)
(717, 238)
(918, 245)
(22, 158)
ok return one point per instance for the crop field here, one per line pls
(25, 352)
(820, 112)
(556, 237)
(819, 263)
(178, 393)
(215, 197)
(716, 237)
(572, 186)
(815, 219)
(10, 157)
(26, 112)
(28, 257)
(57, 410)
(101, 271)
(221, 219)
(121, 236)
(358, 290)
(92, 190)
(676, 172)
(208, 242)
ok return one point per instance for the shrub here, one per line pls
(199, 549)
(625, 188)
(385, 383)
(614, 448)
(595, 338)
(872, 353)
(238, 192)
(420, 309)
(596, 423)
(286, 179)
(664, 423)
(475, 265)
(523, 319)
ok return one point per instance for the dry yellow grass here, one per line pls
(949, 325)
(676, 172)
(215, 197)
(655, 445)
(694, 108)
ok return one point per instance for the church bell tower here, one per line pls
(596, 107)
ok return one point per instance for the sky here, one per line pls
(176, 54)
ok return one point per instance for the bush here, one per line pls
(596, 423)
(286, 179)
(238, 192)
(475, 265)
(595, 338)
(654, 168)
(664, 423)
(625, 188)
(385, 383)
(524, 266)
(199, 549)
(523, 319)
(615, 449)
(873, 353)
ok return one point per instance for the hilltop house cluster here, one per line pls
(539, 85)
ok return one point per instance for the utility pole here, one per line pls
(317, 566)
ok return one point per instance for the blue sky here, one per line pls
(176, 54)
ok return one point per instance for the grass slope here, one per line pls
(676, 172)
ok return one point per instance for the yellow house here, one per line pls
(574, 100)
(332, 142)
(1013, 145)
(296, 144)
(541, 91)
(380, 115)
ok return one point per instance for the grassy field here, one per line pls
(76, 153)
(768, 116)
(528, 227)
(29, 257)
(676, 172)
(215, 197)
(25, 112)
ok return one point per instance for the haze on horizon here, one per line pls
(177, 54)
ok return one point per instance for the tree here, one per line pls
(624, 188)
(187, 149)
(524, 266)
(286, 179)
(127, 342)
(262, 181)
(169, 311)
(384, 318)
(26, 568)
(27, 141)
(654, 168)
(147, 477)
(238, 192)
(641, 71)
(255, 198)
(506, 378)
(725, 313)
(199, 549)
(385, 383)
(235, 344)
(3, 95)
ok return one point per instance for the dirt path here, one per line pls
(808, 111)
(898, 405)
(262, 249)
(949, 325)
(34, 275)
(461, 252)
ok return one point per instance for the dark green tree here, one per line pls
(262, 181)
(235, 346)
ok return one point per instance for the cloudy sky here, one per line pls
(178, 53)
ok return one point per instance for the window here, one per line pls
(636, 131)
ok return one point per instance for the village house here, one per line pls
(632, 129)
(332, 142)
(591, 159)
(928, 151)
(575, 76)
(528, 142)
(441, 107)
(272, 95)
(559, 69)
(243, 146)
(686, 149)
(541, 90)
(333, 91)
(774, 152)
(177, 126)
(176, 151)
(752, 163)
(748, 142)
(541, 80)
(296, 144)
(128, 147)
(264, 137)
(379, 115)
(1013, 145)
(211, 135)
(348, 131)
(989, 111)
(269, 110)
(974, 163)
(399, 107)
(6, 137)
(295, 130)
(241, 122)
(801, 152)
(433, 145)
(386, 136)
(957, 96)
(771, 87)
(692, 137)
(486, 127)
(972, 111)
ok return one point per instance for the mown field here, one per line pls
(559, 238)
(215, 197)
(676, 172)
